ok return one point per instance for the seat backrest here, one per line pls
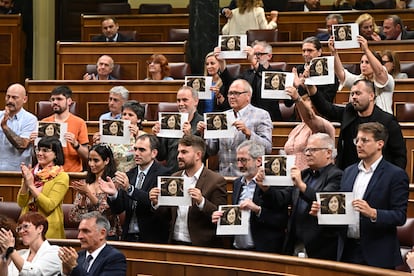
(71, 227)
(116, 71)
(165, 107)
(353, 68)
(384, 4)
(286, 112)
(10, 209)
(154, 8)
(114, 8)
(130, 34)
(408, 68)
(405, 234)
(175, 34)
(261, 35)
(178, 70)
(234, 69)
(44, 109)
(278, 65)
(404, 112)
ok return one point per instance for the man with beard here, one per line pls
(16, 126)
(7, 7)
(76, 137)
(361, 109)
(268, 214)
(191, 225)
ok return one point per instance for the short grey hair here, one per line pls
(336, 16)
(121, 91)
(101, 221)
(254, 148)
(194, 92)
(264, 44)
(246, 86)
(327, 142)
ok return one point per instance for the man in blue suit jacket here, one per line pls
(268, 212)
(96, 258)
(110, 32)
(380, 196)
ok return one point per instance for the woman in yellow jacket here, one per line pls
(44, 187)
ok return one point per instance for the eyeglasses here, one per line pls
(364, 140)
(43, 150)
(23, 227)
(243, 160)
(313, 150)
(258, 54)
(235, 93)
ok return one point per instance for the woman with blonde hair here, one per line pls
(367, 27)
(249, 14)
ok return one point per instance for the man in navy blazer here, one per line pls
(268, 213)
(380, 196)
(96, 257)
(141, 224)
(110, 32)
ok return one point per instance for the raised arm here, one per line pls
(339, 68)
(380, 73)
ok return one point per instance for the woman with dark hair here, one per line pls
(333, 204)
(372, 69)
(319, 68)
(231, 43)
(170, 121)
(198, 84)
(231, 216)
(391, 61)
(124, 153)
(115, 128)
(44, 187)
(89, 196)
(49, 129)
(275, 81)
(40, 258)
(217, 122)
(158, 68)
(343, 33)
(173, 187)
(276, 166)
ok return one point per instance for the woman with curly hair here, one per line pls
(158, 68)
(89, 196)
(249, 14)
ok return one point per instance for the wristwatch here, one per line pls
(8, 252)
(130, 189)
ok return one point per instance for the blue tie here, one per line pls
(87, 263)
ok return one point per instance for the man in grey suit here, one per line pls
(394, 29)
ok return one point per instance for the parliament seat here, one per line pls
(44, 109)
(177, 34)
(178, 70)
(278, 65)
(234, 69)
(287, 112)
(91, 69)
(405, 235)
(165, 107)
(114, 8)
(154, 8)
(404, 111)
(408, 68)
(262, 35)
(130, 34)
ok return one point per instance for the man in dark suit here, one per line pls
(380, 196)
(104, 68)
(110, 32)
(191, 225)
(268, 213)
(96, 257)
(141, 223)
(394, 29)
(322, 176)
(361, 109)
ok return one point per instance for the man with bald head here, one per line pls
(104, 67)
(16, 126)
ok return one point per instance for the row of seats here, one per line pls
(125, 8)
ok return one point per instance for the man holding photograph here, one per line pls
(304, 233)
(268, 215)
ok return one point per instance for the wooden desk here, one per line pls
(175, 260)
(11, 54)
(72, 57)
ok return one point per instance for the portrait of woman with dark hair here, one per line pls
(198, 84)
(275, 81)
(171, 121)
(231, 43)
(333, 204)
(115, 128)
(275, 166)
(172, 187)
(49, 129)
(343, 33)
(231, 216)
(319, 67)
(217, 122)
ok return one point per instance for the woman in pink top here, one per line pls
(311, 123)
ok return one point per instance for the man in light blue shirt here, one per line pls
(16, 126)
(118, 95)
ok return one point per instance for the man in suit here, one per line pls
(268, 213)
(380, 196)
(394, 29)
(141, 223)
(110, 32)
(104, 68)
(252, 123)
(304, 233)
(96, 257)
(191, 225)
(331, 19)
(361, 109)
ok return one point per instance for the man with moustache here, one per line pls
(191, 225)
(130, 194)
(76, 150)
(268, 214)
(16, 126)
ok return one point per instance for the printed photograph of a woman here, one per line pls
(275, 166)
(332, 204)
(171, 121)
(231, 216)
(115, 128)
(172, 187)
(275, 81)
(217, 122)
(231, 43)
(49, 129)
(343, 33)
(198, 84)
(319, 67)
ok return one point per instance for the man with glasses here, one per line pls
(118, 95)
(361, 109)
(304, 234)
(268, 213)
(252, 123)
(16, 126)
(380, 197)
(76, 137)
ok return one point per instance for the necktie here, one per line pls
(140, 180)
(87, 263)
